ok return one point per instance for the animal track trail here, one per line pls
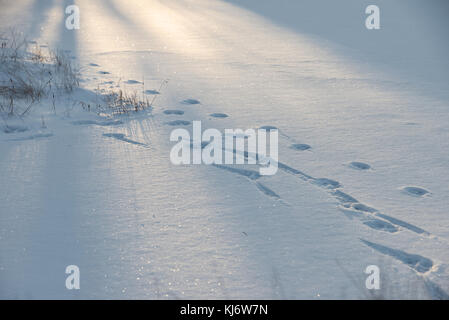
(403, 224)
(421, 265)
(417, 262)
(349, 203)
(350, 206)
(378, 224)
(362, 213)
(369, 216)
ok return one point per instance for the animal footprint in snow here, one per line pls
(219, 115)
(359, 165)
(327, 183)
(175, 112)
(132, 82)
(418, 263)
(178, 123)
(190, 101)
(300, 146)
(415, 191)
(151, 92)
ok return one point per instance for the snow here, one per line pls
(363, 144)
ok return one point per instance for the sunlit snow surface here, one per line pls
(363, 153)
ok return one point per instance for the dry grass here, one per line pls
(28, 73)
(120, 102)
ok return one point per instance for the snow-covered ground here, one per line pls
(363, 171)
